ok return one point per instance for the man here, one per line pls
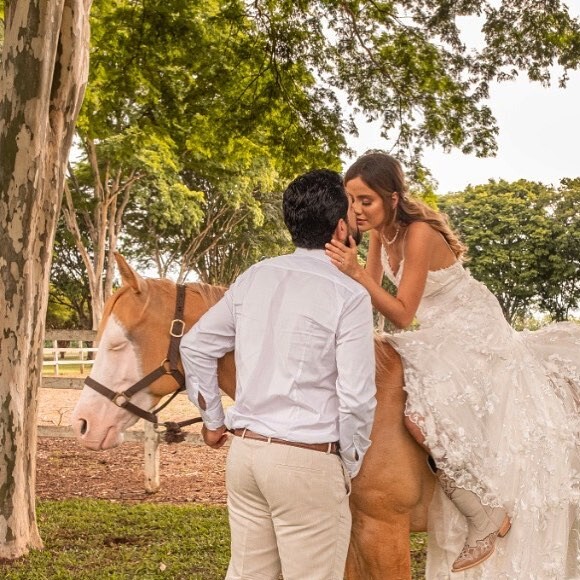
(305, 393)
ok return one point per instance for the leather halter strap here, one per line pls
(169, 366)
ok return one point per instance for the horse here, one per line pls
(141, 327)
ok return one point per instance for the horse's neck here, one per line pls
(199, 297)
(227, 374)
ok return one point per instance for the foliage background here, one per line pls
(199, 113)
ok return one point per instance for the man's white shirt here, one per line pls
(304, 351)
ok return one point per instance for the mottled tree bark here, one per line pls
(43, 77)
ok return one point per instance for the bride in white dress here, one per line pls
(497, 410)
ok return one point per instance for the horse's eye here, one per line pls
(118, 346)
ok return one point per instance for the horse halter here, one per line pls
(169, 366)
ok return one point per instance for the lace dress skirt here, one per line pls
(500, 412)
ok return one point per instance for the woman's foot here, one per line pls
(480, 542)
(484, 524)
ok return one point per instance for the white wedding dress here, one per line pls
(500, 412)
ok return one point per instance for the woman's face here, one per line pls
(368, 205)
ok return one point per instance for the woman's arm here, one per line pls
(400, 309)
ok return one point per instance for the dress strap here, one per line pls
(447, 244)
(403, 245)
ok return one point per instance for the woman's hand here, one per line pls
(344, 257)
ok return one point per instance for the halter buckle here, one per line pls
(120, 399)
(177, 333)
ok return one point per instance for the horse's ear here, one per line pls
(128, 275)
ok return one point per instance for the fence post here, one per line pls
(56, 353)
(81, 357)
(151, 444)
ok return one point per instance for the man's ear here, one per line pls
(340, 231)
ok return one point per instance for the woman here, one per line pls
(497, 410)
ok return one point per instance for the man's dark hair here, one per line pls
(313, 204)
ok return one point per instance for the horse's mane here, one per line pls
(209, 294)
(384, 353)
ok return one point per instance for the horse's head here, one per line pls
(134, 340)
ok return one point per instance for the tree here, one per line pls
(230, 237)
(521, 238)
(171, 138)
(559, 268)
(404, 61)
(42, 82)
(222, 259)
(100, 214)
(259, 102)
(496, 222)
(69, 304)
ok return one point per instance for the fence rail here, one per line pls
(66, 432)
(61, 341)
(148, 436)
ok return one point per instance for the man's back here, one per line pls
(292, 314)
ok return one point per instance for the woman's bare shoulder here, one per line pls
(421, 237)
(420, 229)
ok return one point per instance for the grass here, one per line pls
(64, 370)
(93, 539)
(96, 539)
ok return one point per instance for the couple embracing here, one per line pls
(494, 409)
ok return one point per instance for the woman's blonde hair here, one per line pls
(384, 175)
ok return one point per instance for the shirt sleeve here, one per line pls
(356, 388)
(207, 341)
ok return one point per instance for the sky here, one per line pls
(539, 135)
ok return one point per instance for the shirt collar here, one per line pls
(318, 254)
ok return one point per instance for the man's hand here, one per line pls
(214, 438)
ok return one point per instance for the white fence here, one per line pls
(80, 355)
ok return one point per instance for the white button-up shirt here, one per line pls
(304, 350)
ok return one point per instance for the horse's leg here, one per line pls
(379, 549)
(391, 492)
(388, 503)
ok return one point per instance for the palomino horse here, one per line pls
(389, 496)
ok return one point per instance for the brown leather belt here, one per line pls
(324, 447)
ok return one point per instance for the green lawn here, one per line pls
(67, 370)
(96, 539)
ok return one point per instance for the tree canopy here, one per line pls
(559, 267)
(523, 243)
(199, 112)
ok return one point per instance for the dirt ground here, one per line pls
(189, 473)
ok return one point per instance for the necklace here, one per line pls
(392, 240)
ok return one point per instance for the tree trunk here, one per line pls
(112, 193)
(42, 81)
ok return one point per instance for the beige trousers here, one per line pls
(288, 511)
